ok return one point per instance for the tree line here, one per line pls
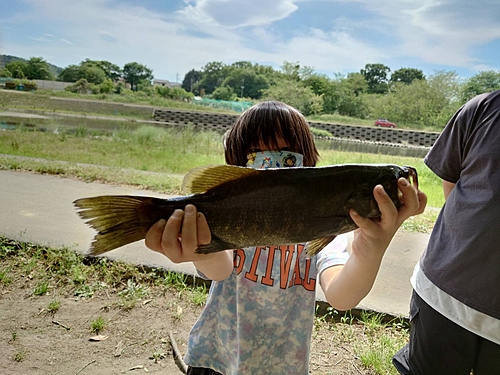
(405, 96)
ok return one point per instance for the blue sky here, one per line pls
(332, 36)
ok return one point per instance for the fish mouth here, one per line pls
(412, 175)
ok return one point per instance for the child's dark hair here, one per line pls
(266, 122)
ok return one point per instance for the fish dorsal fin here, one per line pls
(201, 179)
(315, 246)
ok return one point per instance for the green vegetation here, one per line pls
(54, 306)
(98, 324)
(381, 344)
(373, 341)
(369, 338)
(20, 355)
(155, 158)
(405, 96)
(49, 266)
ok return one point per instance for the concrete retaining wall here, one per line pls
(51, 85)
(221, 122)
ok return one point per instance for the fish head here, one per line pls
(387, 176)
(408, 172)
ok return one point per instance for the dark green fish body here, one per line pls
(247, 207)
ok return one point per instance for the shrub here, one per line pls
(29, 85)
(81, 86)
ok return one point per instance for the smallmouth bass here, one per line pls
(243, 205)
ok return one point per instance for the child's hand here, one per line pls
(372, 237)
(345, 286)
(180, 235)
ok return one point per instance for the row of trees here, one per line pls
(34, 68)
(93, 71)
(405, 96)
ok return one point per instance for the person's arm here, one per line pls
(345, 286)
(447, 188)
(164, 238)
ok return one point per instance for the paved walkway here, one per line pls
(39, 209)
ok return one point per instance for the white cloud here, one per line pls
(239, 13)
(39, 39)
(434, 32)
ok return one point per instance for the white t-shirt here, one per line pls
(259, 320)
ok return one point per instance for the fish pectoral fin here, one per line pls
(315, 246)
(214, 246)
(201, 179)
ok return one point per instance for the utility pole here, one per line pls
(177, 78)
(242, 86)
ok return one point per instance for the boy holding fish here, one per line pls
(455, 306)
(259, 315)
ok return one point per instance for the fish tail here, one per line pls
(120, 219)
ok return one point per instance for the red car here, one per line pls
(382, 122)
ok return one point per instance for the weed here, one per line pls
(41, 289)
(372, 321)
(199, 295)
(54, 306)
(78, 274)
(157, 355)
(84, 291)
(15, 145)
(20, 355)
(347, 318)
(5, 279)
(81, 131)
(132, 294)
(14, 336)
(378, 351)
(176, 280)
(98, 324)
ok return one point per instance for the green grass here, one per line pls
(20, 355)
(374, 344)
(98, 324)
(41, 289)
(54, 306)
(40, 100)
(154, 158)
(49, 266)
(380, 343)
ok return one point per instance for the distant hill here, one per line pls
(5, 59)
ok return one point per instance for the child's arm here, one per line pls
(164, 238)
(345, 286)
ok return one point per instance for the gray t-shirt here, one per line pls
(463, 255)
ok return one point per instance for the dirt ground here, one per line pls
(35, 341)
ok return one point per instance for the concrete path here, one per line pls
(39, 209)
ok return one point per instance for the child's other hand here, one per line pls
(373, 237)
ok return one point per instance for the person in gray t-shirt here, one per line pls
(455, 308)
